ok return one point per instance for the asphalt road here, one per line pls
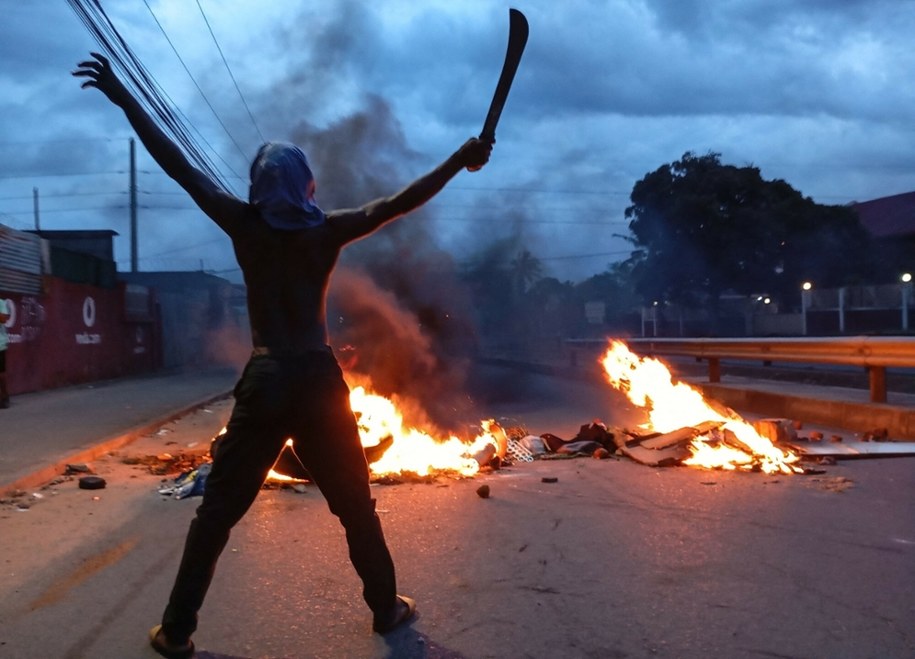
(613, 560)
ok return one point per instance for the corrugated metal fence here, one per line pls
(23, 259)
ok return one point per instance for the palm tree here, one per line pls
(526, 269)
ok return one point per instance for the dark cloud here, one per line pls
(816, 92)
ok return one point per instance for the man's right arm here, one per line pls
(221, 207)
(354, 224)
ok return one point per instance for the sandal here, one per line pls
(169, 651)
(403, 611)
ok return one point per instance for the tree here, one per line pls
(701, 228)
(487, 276)
(526, 269)
(613, 287)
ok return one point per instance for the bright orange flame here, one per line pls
(274, 475)
(671, 405)
(413, 450)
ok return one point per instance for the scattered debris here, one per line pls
(524, 450)
(487, 455)
(876, 435)
(166, 463)
(92, 483)
(837, 484)
(601, 454)
(483, 491)
(549, 479)
(189, 484)
(681, 437)
(777, 431)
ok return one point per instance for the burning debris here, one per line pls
(396, 450)
(698, 433)
(414, 451)
(681, 428)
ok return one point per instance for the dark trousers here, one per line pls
(303, 397)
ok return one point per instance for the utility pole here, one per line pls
(133, 206)
(35, 207)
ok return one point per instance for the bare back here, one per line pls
(287, 275)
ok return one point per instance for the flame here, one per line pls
(274, 475)
(671, 405)
(413, 450)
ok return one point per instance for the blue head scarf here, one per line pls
(283, 187)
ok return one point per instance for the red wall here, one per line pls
(75, 333)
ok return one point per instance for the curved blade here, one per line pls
(517, 40)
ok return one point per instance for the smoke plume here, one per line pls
(397, 311)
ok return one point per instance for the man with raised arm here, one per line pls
(292, 385)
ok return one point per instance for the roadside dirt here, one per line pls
(146, 464)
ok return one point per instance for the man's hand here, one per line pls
(101, 76)
(475, 153)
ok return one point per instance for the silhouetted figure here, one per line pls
(292, 385)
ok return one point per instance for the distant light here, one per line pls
(807, 286)
(655, 303)
(759, 298)
(906, 277)
(767, 301)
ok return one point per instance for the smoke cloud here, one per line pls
(397, 311)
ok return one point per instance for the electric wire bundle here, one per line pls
(146, 89)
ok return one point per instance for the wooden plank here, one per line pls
(667, 457)
(675, 437)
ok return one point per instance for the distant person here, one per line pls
(292, 386)
(4, 344)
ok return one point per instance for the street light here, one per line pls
(805, 302)
(906, 290)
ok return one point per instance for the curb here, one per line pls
(105, 446)
(850, 415)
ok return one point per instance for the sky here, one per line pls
(819, 93)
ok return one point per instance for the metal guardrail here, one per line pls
(875, 354)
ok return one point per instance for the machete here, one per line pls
(517, 39)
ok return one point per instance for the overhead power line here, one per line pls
(60, 174)
(45, 211)
(59, 141)
(229, 70)
(47, 195)
(146, 89)
(194, 80)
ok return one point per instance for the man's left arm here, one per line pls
(222, 207)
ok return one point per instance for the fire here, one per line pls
(410, 450)
(274, 475)
(413, 450)
(671, 405)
